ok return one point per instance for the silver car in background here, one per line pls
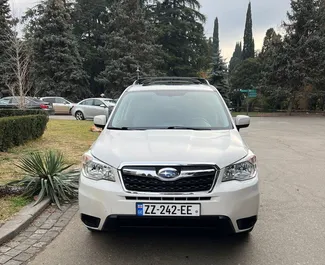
(60, 105)
(87, 109)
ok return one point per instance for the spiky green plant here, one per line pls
(47, 175)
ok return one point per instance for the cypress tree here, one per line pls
(218, 76)
(236, 57)
(216, 44)
(249, 45)
(57, 64)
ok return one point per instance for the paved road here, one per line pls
(62, 117)
(291, 228)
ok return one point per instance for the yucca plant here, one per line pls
(47, 175)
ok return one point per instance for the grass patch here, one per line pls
(71, 137)
(10, 205)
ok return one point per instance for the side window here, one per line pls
(49, 100)
(87, 102)
(60, 100)
(13, 101)
(4, 101)
(97, 103)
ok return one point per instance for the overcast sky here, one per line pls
(231, 14)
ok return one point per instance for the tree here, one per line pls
(293, 66)
(246, 75)
(270, 39)
(129, 44)
(316, 53)
(57, 65)
(181, 34)
(236, 58)
(249, 45)
(5, 36)
(90, 19)
(218, 76)
(18, 58)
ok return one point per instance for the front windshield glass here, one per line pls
(167, 109)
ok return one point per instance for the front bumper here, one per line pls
(234, 201)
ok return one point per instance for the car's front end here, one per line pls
(174, 175)
(135, 192)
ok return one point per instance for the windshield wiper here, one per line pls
(119, 128)
(188, 128)
(126, 129)
(162, 128)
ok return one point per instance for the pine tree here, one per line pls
(130, 43)
(236, 58)
(249, 45)
(90, 19)
(316, 54)
(218, 76)
(5, 35)
(182, 36)
(294, 59)
(57, 65)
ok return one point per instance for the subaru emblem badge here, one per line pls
(168, 173)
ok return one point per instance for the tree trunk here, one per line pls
(292, 100)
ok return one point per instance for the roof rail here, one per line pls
(171, 81)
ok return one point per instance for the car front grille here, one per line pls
(191, 179)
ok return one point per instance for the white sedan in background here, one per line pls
(87, 109)
(60, 105)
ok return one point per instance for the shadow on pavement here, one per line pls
(173, 246)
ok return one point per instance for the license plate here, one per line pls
(152, 209)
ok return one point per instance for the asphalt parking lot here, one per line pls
(290, 229)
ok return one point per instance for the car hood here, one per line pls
(169, 146)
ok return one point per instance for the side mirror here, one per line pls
(242, 121)
(100, 121)
(103, 106)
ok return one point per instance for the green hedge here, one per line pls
(17, 130)
(19, 112)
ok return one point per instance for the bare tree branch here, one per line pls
(19, 59)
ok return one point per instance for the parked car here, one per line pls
(4, 93)
(60, 105)
(91, 107)
(5, 104)
(30, 103)
(170, 153)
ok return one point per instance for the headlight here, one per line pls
(96, 170)
(242, 170)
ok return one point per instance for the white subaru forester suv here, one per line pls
(170, 154)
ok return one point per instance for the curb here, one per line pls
(24, 218)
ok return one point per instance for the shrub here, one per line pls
(17, 130)
(19, 112)
(46, 175)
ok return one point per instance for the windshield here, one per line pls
(183, 109)
(4, 101)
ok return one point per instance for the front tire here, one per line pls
(79, 116)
